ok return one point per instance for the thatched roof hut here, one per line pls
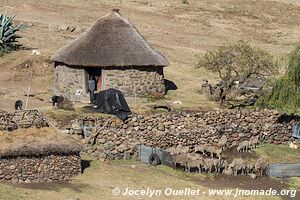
(112, 41)
(113, 51)
(37, 142)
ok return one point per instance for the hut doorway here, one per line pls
(96, 74)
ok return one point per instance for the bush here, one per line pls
(285, 95)
(8, 34)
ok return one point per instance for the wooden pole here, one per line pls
(28, 91)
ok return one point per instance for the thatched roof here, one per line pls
(36, 142)
(110, 42)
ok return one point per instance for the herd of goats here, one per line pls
(207, 158)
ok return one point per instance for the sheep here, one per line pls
(238, 165)
(260, 166)
(223, 142)
(193, 161)
(254, 140)
(243, 146)
(249, 167)
(214, 150)
(222, 166)
(200, 149)
(172, 151)
(182, 149)
(208, 165)
(216, 165)
(180, 159)
(228, 170)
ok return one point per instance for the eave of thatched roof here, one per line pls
(37, 142)
(112, 41)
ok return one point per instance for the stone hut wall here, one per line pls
(39, 169)
(138, 81)
(68, 80)
(119, 139)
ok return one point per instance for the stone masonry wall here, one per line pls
(67, 81)
(119, 139)
(139, 81)
(39, 169)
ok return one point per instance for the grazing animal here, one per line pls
(200, 149)
(214, 150)
(194, 162)
(239, 166)
(223, 142)
(180, 160)
(57, 100)
(243, 146)
(228, 170)
(253, 142)
(260, 166)
(18, 105)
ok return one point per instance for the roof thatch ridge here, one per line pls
(41, 150)
(110, 41)
(37, 142)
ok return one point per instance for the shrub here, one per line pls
(285, 94)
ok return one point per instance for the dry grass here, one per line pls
(33, 141)
(99, 179)
(180, 32)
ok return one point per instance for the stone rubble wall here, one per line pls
(67, 81)
(119, 140)
(39, 169)
(139, 81)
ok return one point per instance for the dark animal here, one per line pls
(57, 100)
(18, 105)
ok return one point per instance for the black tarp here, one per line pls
(112, 101)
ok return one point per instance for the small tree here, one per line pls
(237, 62)
(8, 33)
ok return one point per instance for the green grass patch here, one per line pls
(278, 153)
(294, 183)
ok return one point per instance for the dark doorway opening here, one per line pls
(96, 74)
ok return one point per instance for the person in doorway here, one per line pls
(91, 88)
